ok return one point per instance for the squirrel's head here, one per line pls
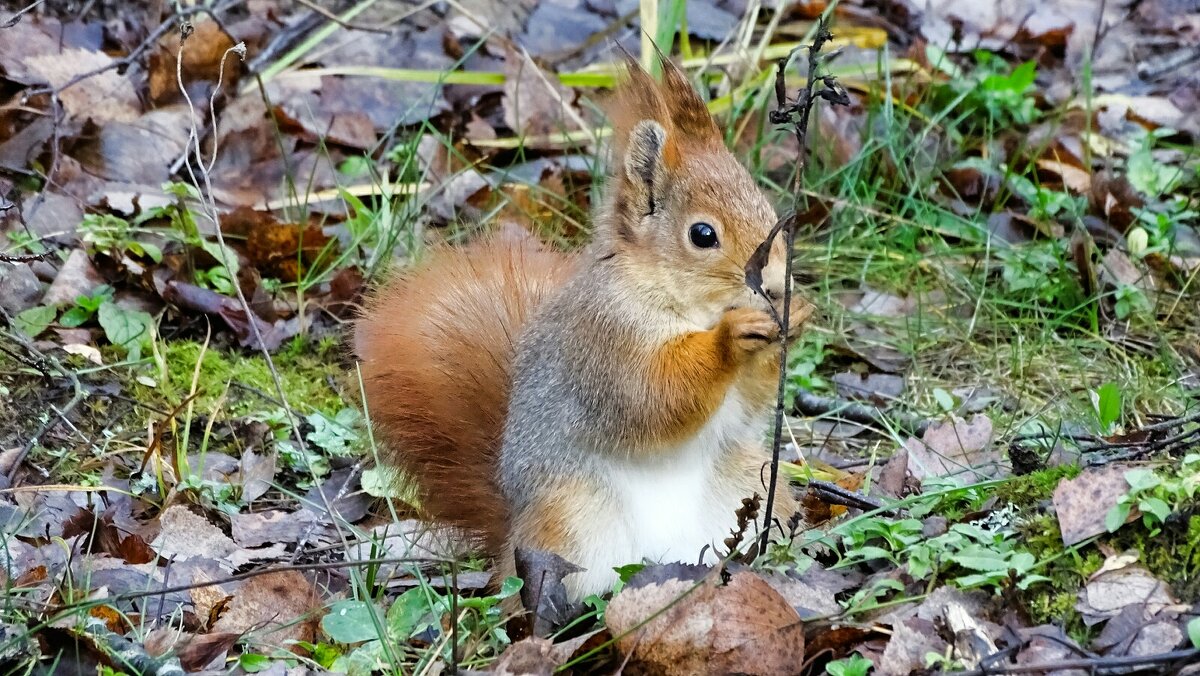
(680, 211)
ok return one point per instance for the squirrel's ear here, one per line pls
(645, 165)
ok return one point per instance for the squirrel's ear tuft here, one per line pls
(689, 114)
(674, 105)
(637, 99)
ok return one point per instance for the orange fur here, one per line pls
(686, 383)
(436, 345)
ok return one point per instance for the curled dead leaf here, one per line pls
(669, 625)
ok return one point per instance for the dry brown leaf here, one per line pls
(256, 473)
(277, 610)
(742, 627)
(76, 278)
(276, 249)
(883, 304)
(138, 151)
(1118, 584)
(202, 651)
(878, 388)
(273, 526)
(202, 55)
(911, 641)
(1073, 178)
(186, 535)
(956, 448)
(530, 656)
(1081, 504)
(106, 97)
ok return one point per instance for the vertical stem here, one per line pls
(777, 434)
(453, 616)
(648, 16)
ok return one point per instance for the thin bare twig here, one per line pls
(16, 17)
(797, 114)
(25, 258)
(199, 173)
(811, 404)
(1096, 665)
(340, 21)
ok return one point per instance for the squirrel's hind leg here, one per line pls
(575, 520)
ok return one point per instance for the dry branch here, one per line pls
(795, 113)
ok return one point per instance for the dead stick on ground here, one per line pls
(797, 114)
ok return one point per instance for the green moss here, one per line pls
(1053, 601)
(1172, 554)
(1030, 489)
(309, 380)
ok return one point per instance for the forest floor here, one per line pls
(1003, 374)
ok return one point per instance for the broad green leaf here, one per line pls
(130, 329)
(352, 621)
(980, 579)
(510, 586)
(253, 662)
(1030, 580)
(406, 613)
(1108, 405)
(855, 665)
(1156, 507)
(945, 400)
(224, 255)
(1193, 630)
(1141, 479)
(76, 316)
(153, 251)
(33, 321)
(982, 560)
(1116, 516)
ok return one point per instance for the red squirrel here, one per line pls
(609, 406)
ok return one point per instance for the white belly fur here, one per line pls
(670, 507)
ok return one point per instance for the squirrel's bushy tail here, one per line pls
(436, 344)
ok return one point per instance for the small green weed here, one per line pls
(374, 640)
(855, 665)
(1157, 495)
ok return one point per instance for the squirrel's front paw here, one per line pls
(750, 330)
(799, 313)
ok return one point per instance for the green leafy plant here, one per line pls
(992, 91)
(1045, 204)
(421, 611)
(115, 236)
(855, 665)
(1146, 173)
(131, 330)
(1156, 495)
(33, 321)
(86, 307)
(1107, 402)
(806, 356)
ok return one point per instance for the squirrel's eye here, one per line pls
(703, 236)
